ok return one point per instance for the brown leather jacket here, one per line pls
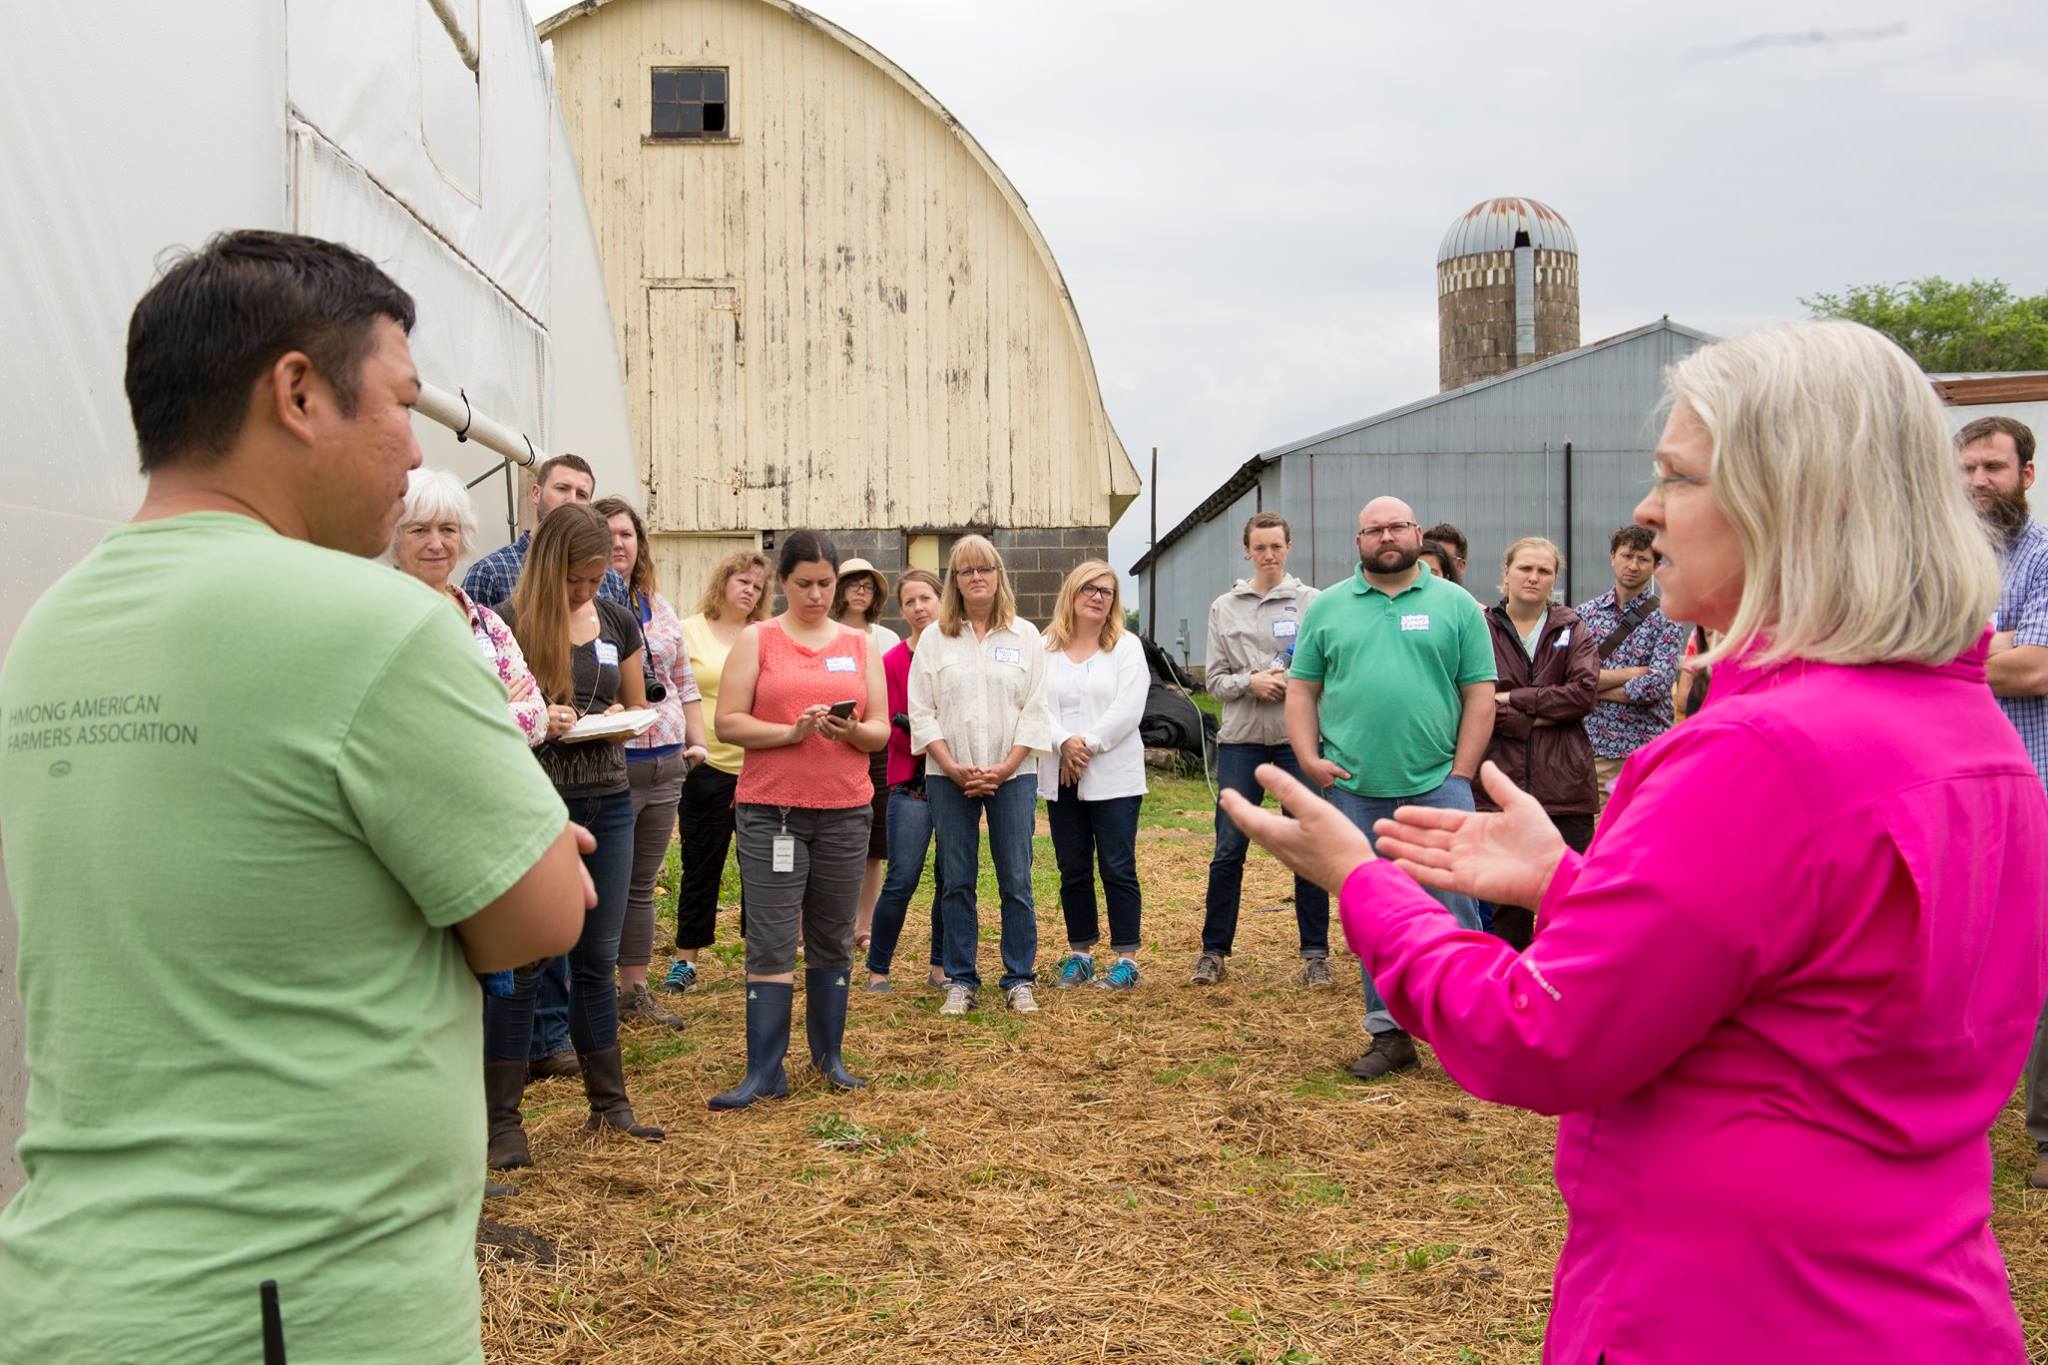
(1553, 763)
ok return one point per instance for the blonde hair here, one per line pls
(1060, 633)
(1507, 561)
(569, 537)
(433, 495)
(712, 604)
(953, 610)
(1827, 434)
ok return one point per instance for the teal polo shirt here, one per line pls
(1391, 668)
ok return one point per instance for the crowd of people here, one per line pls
(1721, 949)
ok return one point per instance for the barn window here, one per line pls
(689, 102)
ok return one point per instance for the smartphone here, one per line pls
(841, 710)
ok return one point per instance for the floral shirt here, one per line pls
(1618, 729)
(501, 652)
(668, 654)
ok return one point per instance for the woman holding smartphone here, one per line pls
(804, 696)
(585, 653)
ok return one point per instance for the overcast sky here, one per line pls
(1246, 201)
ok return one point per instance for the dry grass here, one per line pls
(1170, 1175)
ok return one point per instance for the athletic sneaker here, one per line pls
(1209, 970)
(1077, 970)
(959, 1000)
(1021, 999)
(682, 976)
(1121, 977)
(1315, 971)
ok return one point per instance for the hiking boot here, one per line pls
(554, 1066)
(1315, 972)
(637, 1005)
(2039, 1179)
(1020, 998)
(682, 977)
(1122, 977)
(1077, 970)
(1209, 970)
(1390, 1052)
(604, 1085)
(959, 999)
(504, 1084)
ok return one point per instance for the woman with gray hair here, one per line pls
(435, 532)
(1783, 995)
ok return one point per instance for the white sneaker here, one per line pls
(958, 998)
(1021, 999)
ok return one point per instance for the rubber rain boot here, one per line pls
(825, 1023)
(768, 1004)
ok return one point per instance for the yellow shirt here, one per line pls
(707, 661)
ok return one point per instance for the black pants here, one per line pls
(1517, 924)
(707, 838)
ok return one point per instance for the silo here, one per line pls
(1507, 290)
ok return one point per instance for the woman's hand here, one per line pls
(520, 688)
(693, 754)
(840, 728)
(560, 720)
(1506, 857)
(1320, 842)
(1074, 756)
(806, 723)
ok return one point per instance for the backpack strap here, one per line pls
(1636, 613)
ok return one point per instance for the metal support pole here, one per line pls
(1152, 555)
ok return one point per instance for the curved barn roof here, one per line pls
(1491, 225)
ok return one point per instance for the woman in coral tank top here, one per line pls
(803, 696)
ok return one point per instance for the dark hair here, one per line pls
(1633, 536)
(801, 547)
(1264, 519)
(575, 462)
(1445, 534)
(1446, 562)
(218, 318)
(641, 581)
(1984, 428)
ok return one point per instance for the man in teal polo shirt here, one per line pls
(1389, 704)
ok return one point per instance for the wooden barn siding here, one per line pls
(903, 355)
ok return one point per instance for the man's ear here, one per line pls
(287, 393)
(2026, 476)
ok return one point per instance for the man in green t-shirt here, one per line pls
(265, 816)
(1390, 704)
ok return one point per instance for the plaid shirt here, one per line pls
(1618, 729)
(491, 579)
(2023, 610)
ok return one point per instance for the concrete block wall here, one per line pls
(1038, 560)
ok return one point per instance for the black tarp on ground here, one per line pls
(1171, 721)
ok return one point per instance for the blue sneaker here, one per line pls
(682, 976)
(1077, 970)
(1121, 977)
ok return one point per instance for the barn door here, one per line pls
(696, 438)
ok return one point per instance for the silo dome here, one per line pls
(1507, 275)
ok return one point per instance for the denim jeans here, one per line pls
(910, 841)
(594, 990)
(1455, 793)
(956, 820)
(1236, 769)
(551, 1009)
(1087, 835)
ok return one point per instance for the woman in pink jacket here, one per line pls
(1783, 996)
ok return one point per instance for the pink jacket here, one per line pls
(1779, 1003)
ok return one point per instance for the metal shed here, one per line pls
(1560, 448)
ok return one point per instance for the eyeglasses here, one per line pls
(1662, 483)
(1096, 590)
(1392, 528)
(975, 570)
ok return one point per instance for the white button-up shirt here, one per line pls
(983, 697)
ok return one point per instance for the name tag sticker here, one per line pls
(489, 650)
(1009, 654)
(1418, 620)
(782, 851)
(838, 663)
(1284, 630)
(607, 654)
(1564, 637)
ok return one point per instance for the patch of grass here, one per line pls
(636, 1053)
(836, 1132)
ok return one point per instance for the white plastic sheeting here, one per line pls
(129, 126)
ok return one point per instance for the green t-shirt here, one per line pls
(246, 786)
(1391, 668)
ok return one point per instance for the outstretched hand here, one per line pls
(1320, 842)
(1506, 857)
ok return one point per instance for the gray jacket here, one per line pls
(1249, 634)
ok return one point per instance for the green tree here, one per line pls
(1981, 325)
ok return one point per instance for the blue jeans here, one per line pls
(1087, 835)
(956, 820)
(909, 832)
(594, 990)
(1236, 769)
(1455, 793)
(551, 1009)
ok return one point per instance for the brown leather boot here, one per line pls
(604, 1082)
(1390, 1052)
(504, 1085)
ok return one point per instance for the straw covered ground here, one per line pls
(1173, 1174)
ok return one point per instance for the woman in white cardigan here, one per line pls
(1094, 780)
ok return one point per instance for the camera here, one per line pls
(656, 690)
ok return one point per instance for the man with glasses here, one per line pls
(1389, 704)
